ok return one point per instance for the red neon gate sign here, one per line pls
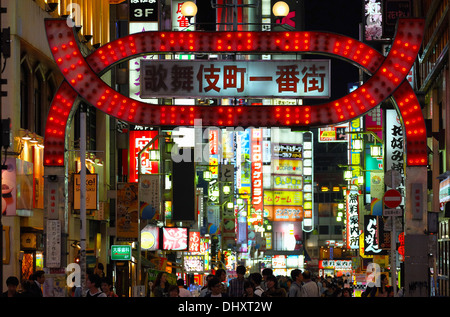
(388, 79)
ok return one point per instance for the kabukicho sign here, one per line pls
(281, 79)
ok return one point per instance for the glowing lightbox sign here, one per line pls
(138, 140)
(281, 78)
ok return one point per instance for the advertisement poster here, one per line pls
(149, 186)
(127, 212)
(91, 191)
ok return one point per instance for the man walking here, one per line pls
(296, 289)
(236, 288)
(310, 288)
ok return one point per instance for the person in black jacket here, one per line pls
(38, 279)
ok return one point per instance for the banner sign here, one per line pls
(375, 239)
(236, 79)
(257, 171)
(352, 220)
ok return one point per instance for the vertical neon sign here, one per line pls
(257, 173)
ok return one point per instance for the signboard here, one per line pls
(175, 239)
(194, 263)
(179, 21)
(257, 171)
(194, 241)
(53, 244)
(284, 213)
(91, 191)
(236, 79)
(352, 220)
(127, 212)
(149, 191)
(283, 198)
(336, 133)
(150, 238)
(121, 252)
(417, 201)
(287, 182)
(376, 240)
(149, 165)
(287, 166)
(143, 10)
(395, 212)
(287, 151)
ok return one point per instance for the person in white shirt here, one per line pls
(93, 283)
(310, 288)
(183, 291)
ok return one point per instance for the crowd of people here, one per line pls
(298, 284)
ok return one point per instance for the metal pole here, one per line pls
(393, 249)
(393, 257)
(83, 199)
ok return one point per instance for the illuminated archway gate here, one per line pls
(387, 80)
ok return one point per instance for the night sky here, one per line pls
(341, 17)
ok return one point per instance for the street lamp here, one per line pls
(280, 9)
(189, 9)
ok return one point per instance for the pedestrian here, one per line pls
(107, 287)
(236, 287)
(221, 274)
(384, 290)
(310, 288)
(27, 289)
(266, 273)
(216, 288)
(38, 279)
(174, 291)
(161, 286)
(99, 270)
(329, 290)
(93, 284)
(346, 292)
(296, 289)
(183, 292)
(256, 279)
(249, 289)
(272, 288)
(205, 289)
(11, 284)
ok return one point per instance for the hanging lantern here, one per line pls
(375, 150)
(348, 175)
(357, 144)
